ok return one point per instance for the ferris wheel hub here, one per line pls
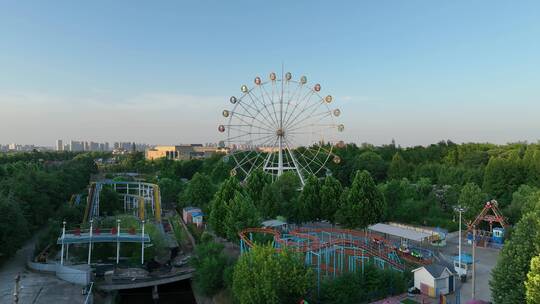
(280, 132)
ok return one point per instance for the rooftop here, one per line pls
(402, 232)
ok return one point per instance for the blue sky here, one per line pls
(154, 71)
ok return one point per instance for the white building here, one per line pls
(435, 279)
(59, 145)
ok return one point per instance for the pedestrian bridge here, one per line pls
(107, 237)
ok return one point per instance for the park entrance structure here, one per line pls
(137, 197)
(281, 125)
(329, 251)
(482, 228)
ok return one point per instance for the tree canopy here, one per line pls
(264, 276)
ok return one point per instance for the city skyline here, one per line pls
(416, 72)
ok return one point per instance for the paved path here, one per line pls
(35, 287)
(486, 259)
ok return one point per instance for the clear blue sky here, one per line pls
(155, 71)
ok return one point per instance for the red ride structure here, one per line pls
(331, 251)
(494, 236)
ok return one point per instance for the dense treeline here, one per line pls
(430, 179)
(34, 189)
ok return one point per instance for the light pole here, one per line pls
(117, 241)
(90, 241)
(63, 236)
(460, 210)
(142, 243)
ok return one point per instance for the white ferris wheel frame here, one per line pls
(268, 119)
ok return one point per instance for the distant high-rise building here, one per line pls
(76, 146)
(59, 145)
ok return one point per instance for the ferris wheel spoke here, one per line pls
(314, 106)
(300, 112)
(251, 124)
(296, 163)
(313, 156)
(320, 126)
(264, 105)
(243, 160)
(239, 114)
(266, 122)
(248, 134)
(289, 99)
(313, 159)
(301, 101)
(305, 167)
(254, 165)
(320, 117)
(263, 92)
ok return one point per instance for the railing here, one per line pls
(89, 298)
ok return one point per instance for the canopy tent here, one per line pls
(402, 232)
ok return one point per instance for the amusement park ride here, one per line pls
(136, 195)
(332, 251)
(281, 125)
(493, 237)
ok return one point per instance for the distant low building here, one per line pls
(180, 152)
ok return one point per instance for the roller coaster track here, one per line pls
(147, 191)
(342, 238)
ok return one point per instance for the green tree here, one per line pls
(219, 205)
(109, 201)
(241, 214)
(524, 200)
(373, 163)
(364, 204)
(532, 285)
(473, 200)
(398, 168)
(330, 195)
(169, 189)
(531, 163)
(509, 275)
(503, 176)
(265, 276)
(255, 185)
(13, 227)
(270, 203)
(199, 191)
(308, 207)
(209, 262)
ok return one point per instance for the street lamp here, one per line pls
(460, 210)
(142, 242)
(63, 236)
(117, 241)
(90, 241)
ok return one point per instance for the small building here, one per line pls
(197, 219)
(435, 279)
(187, 214)
(275, 224)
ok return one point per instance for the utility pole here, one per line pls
(16, 292)
(90, 241)
(473, 261)
(118, 241)
(142, 243)
(63, 237)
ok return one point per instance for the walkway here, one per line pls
(36, 288)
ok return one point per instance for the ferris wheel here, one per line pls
(280, 125)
